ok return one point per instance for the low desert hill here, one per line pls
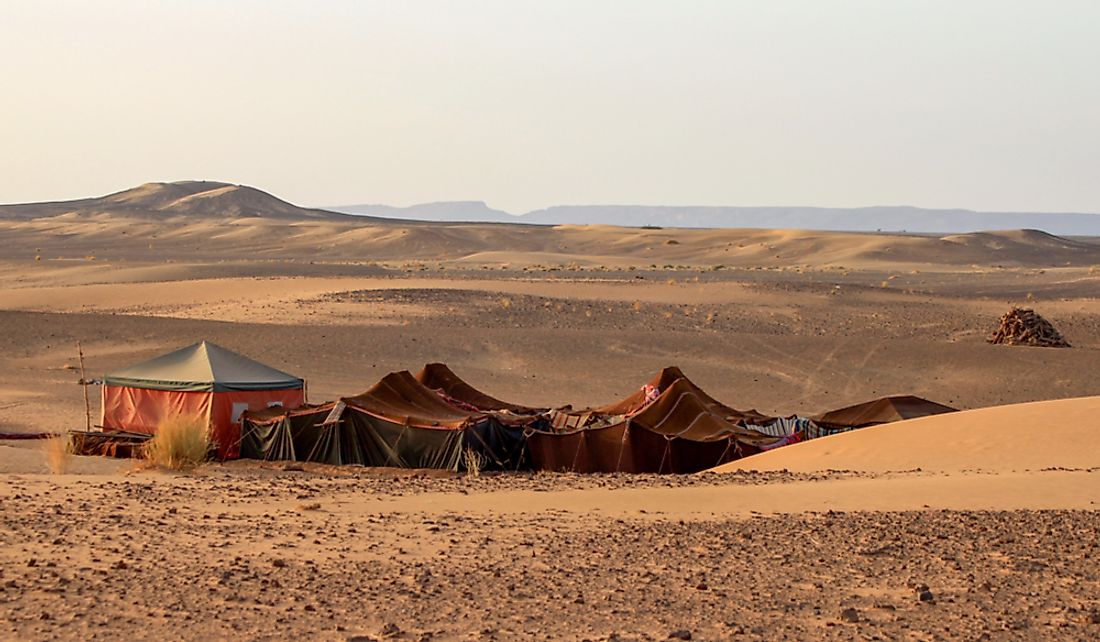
(197, 221)
(189, 199)
(1001, 439)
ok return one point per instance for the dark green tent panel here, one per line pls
(385, 443)
(279, 434)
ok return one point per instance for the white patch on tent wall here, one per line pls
(273, 404)
(238, 410)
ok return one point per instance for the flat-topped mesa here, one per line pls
(1024, 326)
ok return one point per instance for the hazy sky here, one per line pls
(959, 103)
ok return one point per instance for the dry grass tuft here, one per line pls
(59, 454)
(181, 443)
(473, 462)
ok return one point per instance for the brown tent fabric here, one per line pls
(881, 411)
(438, 376)
(662, 381)
(683, 430)
(275, 413)
(401, 399)
(606, 449)
(637, 400)
(683, 410)
(397, 422)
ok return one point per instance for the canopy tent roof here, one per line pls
(203, 366)
(438, 376)
(401, 399)
(881, 411)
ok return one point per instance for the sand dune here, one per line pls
(111, 235)
(1030, 436)
(173, 221)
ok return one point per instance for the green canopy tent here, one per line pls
(205, 381)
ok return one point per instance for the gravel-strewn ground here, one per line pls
(249, 555)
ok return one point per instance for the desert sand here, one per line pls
(975, 525)
(1018, 437)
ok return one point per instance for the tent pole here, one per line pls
(84, 385)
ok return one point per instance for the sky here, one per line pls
(988, 105)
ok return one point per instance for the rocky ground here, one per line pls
(263, 553)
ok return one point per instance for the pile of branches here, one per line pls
(1023, 327)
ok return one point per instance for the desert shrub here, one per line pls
(59, 454)
(180, 443)
(473, 462)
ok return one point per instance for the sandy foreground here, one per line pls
(994, 537)
(256, 551)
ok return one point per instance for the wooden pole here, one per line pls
(84, 385)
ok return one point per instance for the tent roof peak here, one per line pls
(203, 366)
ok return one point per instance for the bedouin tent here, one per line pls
(397, 423)
(205, 381)
(881, 411)
(669, 426)
(439, 377)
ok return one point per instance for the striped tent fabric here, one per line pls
(784, 427)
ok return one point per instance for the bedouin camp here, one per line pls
(205, 381)
(435, 419)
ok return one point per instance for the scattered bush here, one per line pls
(473, 462)
(59, 454)
(180, 443)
